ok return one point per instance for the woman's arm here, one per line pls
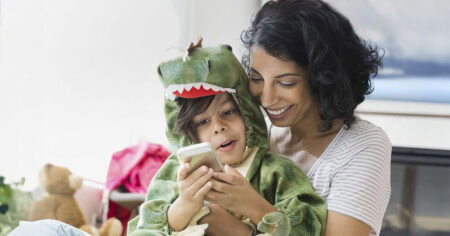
(339, 224)
(360, 189)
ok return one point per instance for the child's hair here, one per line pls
(190, 107)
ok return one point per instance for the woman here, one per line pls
(309, 71)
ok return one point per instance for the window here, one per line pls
(416, 40)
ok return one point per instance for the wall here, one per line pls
(78, 81)
(410, 124)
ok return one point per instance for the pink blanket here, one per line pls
(134, 168)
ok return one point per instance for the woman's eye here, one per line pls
(287, 84)
(256, 79)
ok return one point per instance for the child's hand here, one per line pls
(234, 192)
(194, 186)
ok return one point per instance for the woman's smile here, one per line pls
(277, 114)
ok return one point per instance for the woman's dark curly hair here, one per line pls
(321, 40)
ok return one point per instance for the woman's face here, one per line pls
(281, 88)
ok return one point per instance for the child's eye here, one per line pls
(229, 112)
(202, 122)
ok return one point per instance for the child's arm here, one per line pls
(193, 188)
(162, 193)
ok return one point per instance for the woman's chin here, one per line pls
(280, 123)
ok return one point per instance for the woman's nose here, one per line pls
(267, 96)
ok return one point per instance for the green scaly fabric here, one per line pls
(274, 177)
(216, 66)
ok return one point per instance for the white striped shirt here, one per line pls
(353, 173)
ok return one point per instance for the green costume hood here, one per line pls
(208, 71)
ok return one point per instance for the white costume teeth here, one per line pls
(179, 89)
(187, 87)
(206, 86)
(277, 112)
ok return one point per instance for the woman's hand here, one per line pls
(222, 223)
(234, 193)
(193, 188)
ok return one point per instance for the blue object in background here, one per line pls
(417, 89)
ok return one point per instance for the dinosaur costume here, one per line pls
(208, 71)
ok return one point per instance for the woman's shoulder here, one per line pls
(363, 140)
(364, 133)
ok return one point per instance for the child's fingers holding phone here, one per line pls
(204, 189)
(198, 179)
(187, 178)
(194, 186)
(183, 172)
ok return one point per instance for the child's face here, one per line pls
(222, 126)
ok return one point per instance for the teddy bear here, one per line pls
(60, 204)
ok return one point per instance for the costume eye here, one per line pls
(229, 47)
(159, 71)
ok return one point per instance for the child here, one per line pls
(213, 105)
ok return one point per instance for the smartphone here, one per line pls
(198, 155)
